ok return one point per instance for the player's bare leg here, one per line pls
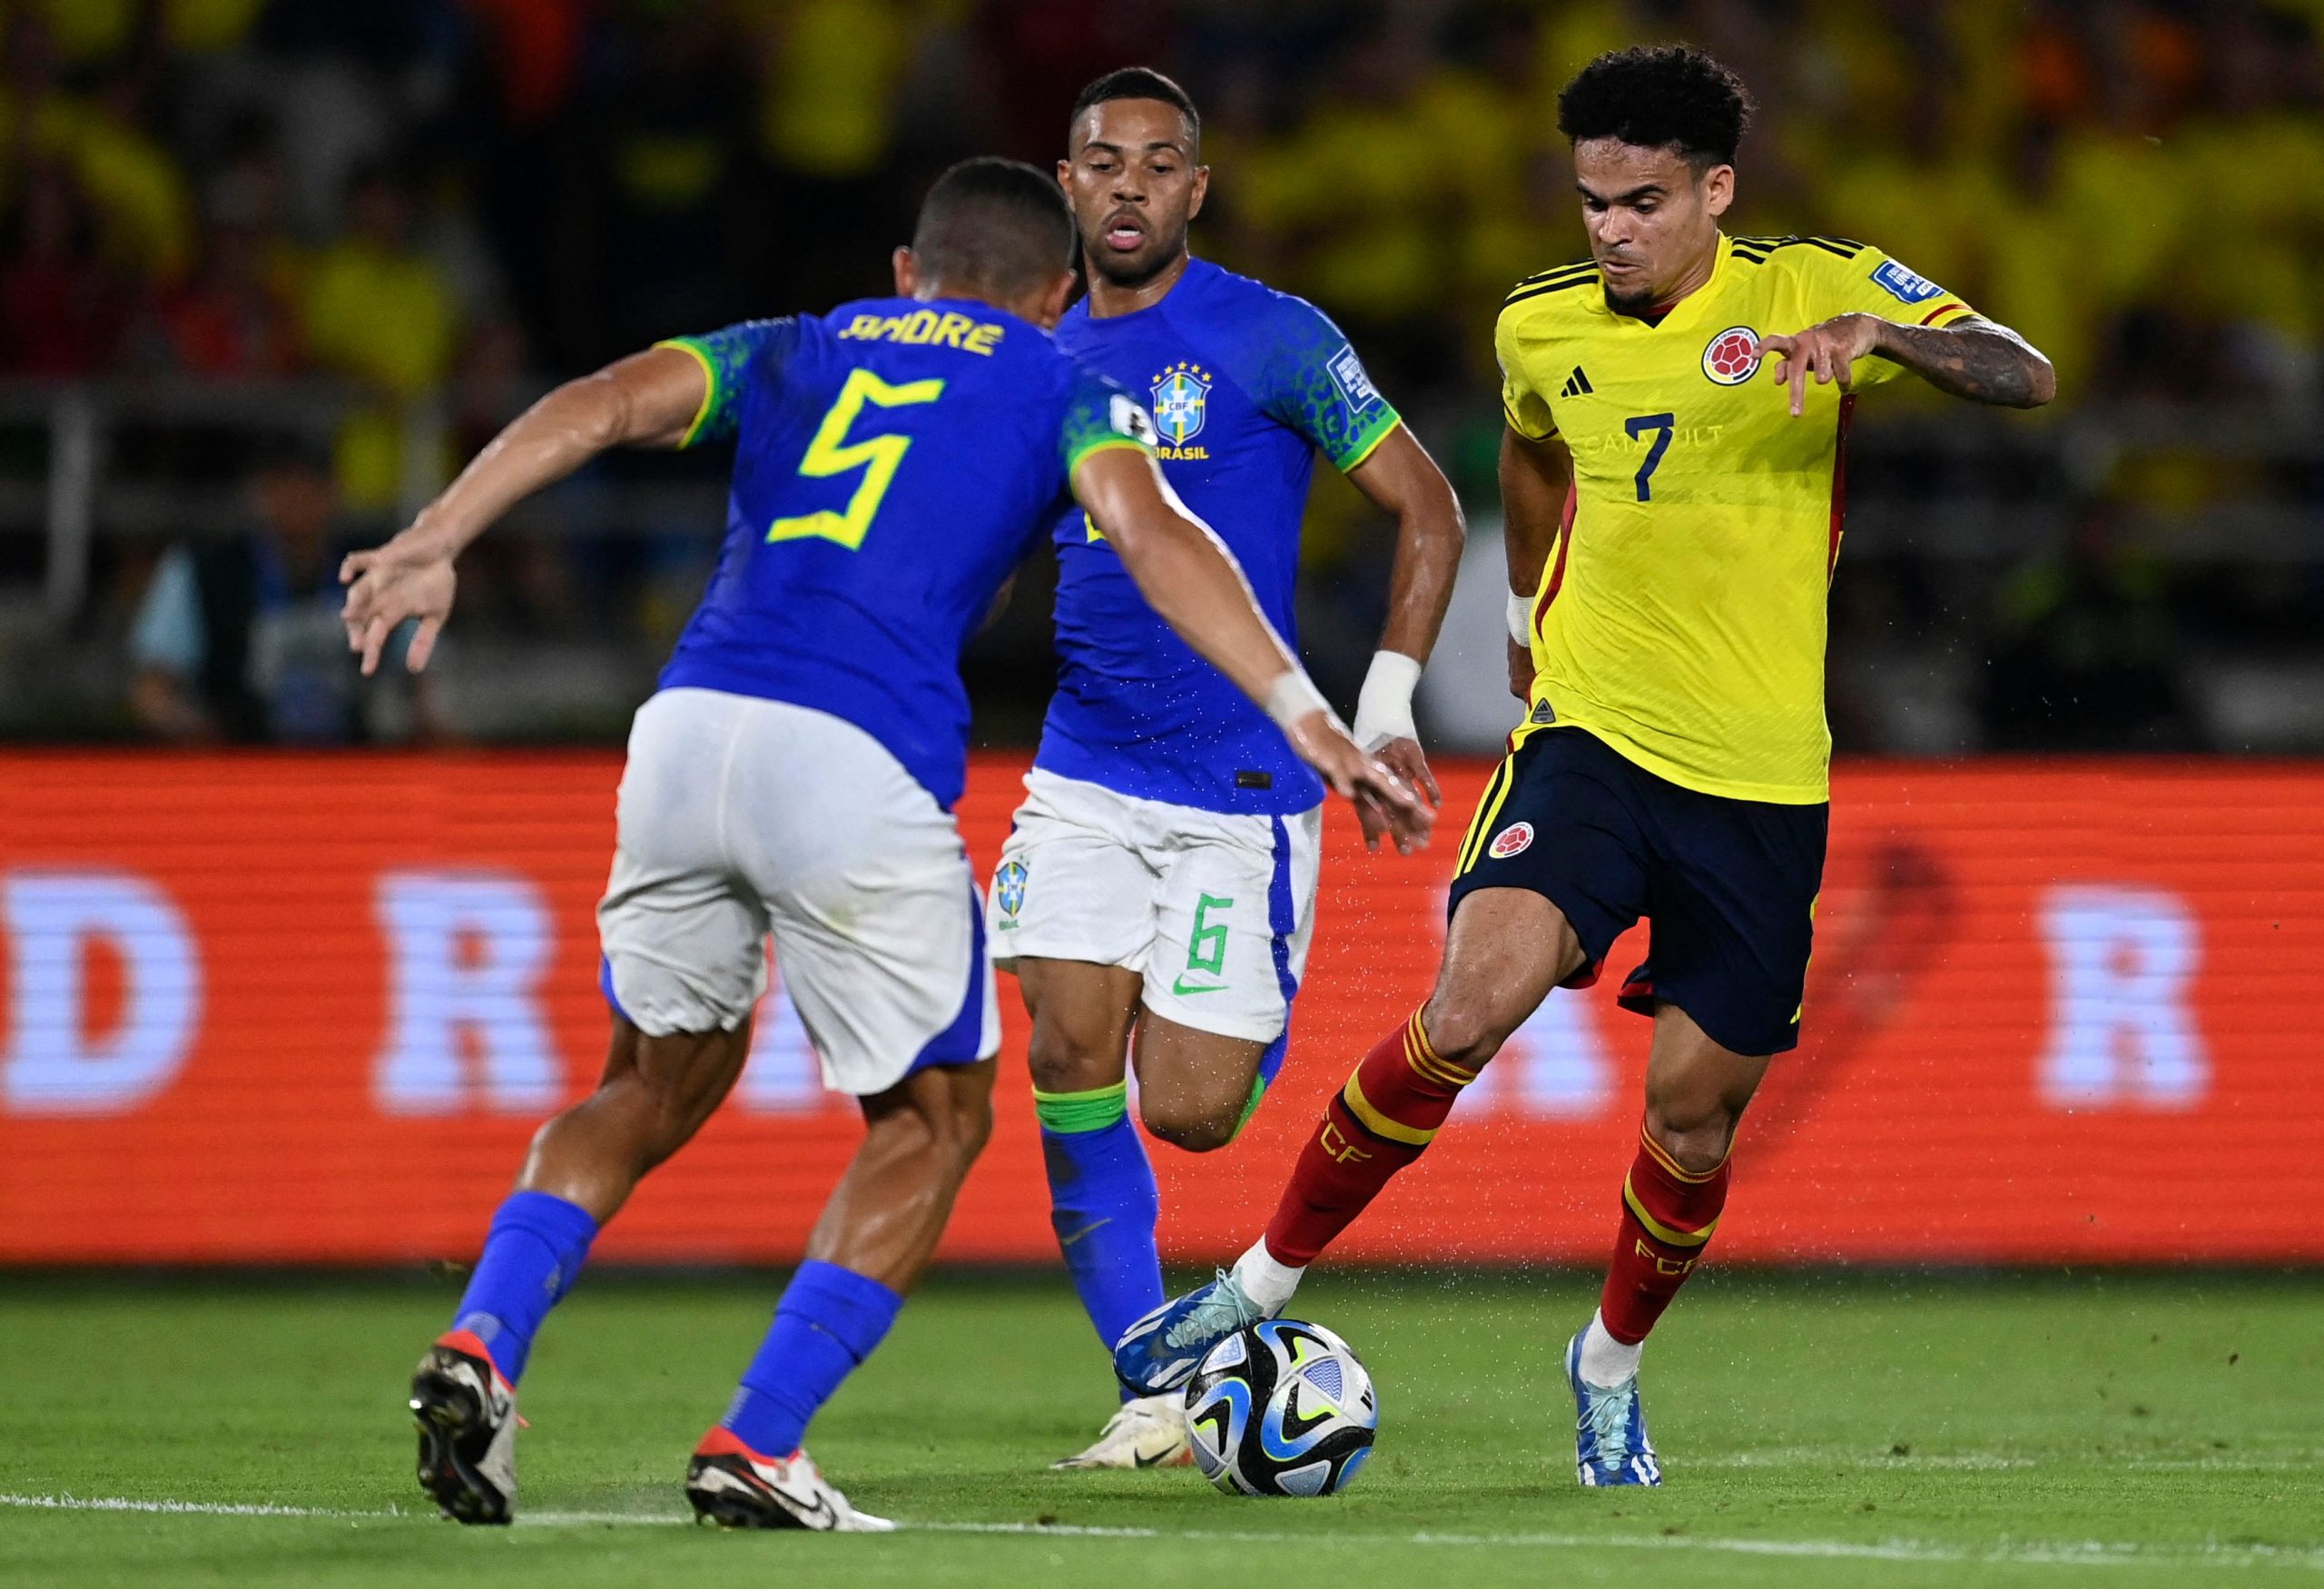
(920, 1138)
(1507, 948)
(654, 1095)
(1194, 1090)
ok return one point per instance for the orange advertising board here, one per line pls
(292, 1009)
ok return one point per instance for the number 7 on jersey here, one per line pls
(1663, 424)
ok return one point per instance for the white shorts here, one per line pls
(742, 817)
(1214, 910)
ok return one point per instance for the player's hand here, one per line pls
(1377, 792)
(409, 577)
(1520, 671)
(1828, 351)
(1404, 758)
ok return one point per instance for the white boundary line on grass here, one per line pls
(2091, 1553)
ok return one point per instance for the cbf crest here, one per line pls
(1008, 891)
(1181, 402)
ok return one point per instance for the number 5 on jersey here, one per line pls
(832, 453)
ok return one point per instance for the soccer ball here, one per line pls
(1282, 1408)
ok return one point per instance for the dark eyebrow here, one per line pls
(1161, 146)
(1648, 191)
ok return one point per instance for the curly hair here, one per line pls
(1674, 96)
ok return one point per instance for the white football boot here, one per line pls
(1150, 1431)
(467, 1416)
(736, 1487)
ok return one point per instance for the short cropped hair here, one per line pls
(1671, 97)
(995, 224)
(1137, 83)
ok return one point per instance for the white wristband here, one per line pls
(1292, 697)
(1520, 618)
(1384, 708)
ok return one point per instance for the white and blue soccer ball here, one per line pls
(1282, 1408)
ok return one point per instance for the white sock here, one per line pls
(1605, 1361)
(1265, 1282)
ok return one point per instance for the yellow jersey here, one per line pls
(1681, 616)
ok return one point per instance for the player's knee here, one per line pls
(1465, 1030)
(1694, 1127)
(1065, 1060)
(1196, 1125)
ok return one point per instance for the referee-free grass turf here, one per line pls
(2102, 1429)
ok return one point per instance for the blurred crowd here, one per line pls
(420, 198)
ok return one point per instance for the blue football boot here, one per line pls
(1609, 1443)
(1160, 1351)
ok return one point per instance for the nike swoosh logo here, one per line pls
(1085, 1230)
(1180, 988)
(819, 1513)
(1144, 1461)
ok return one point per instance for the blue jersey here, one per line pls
(1246, 386)
(894, 461)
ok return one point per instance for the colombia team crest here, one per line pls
(1181, 402)
(1731, 360)
(1511, 840)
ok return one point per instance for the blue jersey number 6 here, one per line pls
(1638, 426)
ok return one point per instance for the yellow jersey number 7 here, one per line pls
(832, 453)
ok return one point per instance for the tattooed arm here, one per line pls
(1975, 359)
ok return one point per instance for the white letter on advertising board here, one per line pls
(2121, 1031)
(55, 1065)
(466, 1029)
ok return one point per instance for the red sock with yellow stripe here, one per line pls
(1668, 1215)
(1380, 1121)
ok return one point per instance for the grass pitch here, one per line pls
(2102, 1429)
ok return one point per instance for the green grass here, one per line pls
(1816, 1431)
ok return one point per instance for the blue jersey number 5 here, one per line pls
(832, 453)
(1638, 426)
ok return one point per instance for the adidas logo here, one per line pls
(1577, 384)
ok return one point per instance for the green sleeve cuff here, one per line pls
(1368, 440)
(1100, 444)
(710, 393)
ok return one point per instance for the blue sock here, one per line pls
(1103, 1204)
(534, 1249)
(828, 1321)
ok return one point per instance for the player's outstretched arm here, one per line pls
(648, 398)
(1402, 480)
(1191, 578)
(1535, 477)
(1977, 359)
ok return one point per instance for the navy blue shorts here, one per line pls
(1728, 885)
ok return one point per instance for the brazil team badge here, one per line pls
(1008, 891)
(1181, 402)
